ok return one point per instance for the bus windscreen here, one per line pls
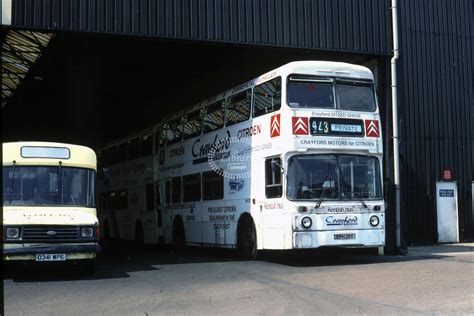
(333, 177)
(48, 186)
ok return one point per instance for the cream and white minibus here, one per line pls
(49, 211)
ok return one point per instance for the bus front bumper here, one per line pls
(16, 251)
(351, 238)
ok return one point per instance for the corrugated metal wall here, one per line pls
(437, 110)
(340, 25)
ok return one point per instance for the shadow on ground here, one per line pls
(122, 258)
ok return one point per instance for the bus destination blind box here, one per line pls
(45, 152)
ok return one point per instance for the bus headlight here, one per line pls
(87, 232)
(13, 233)
(374, 220)
(306, 222)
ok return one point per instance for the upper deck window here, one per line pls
(267, 97)
(134, 148)
(147, 145)
(214, 118)
(173, 131)
(355, 96)
(192, 124)
(238, 108)
(326, 93)
(310, 93)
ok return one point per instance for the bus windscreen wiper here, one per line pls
(12, 182)
(321, 197)
(355, 196)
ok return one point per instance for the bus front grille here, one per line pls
(50, 233)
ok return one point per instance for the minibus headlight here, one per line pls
(374, 220)
(13, 233)
(87, 232)
(306, 222)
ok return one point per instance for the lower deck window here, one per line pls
(212, 186)
(192, 188)
(273, 185)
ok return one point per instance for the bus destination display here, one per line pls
(336, 127)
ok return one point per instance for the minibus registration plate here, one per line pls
(344, 236)
(51, 257)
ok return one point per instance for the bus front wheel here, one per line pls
(247, 239)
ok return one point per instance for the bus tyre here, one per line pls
(179, 238)
(247, 239)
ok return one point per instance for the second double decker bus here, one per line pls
(289, 160)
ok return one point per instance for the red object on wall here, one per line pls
(447, 174)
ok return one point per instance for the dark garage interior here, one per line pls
(91, 89)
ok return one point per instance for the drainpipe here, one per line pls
(396, 155)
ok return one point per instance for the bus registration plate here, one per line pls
(51, 257)
(344, 236)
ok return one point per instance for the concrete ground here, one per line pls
(428, 280)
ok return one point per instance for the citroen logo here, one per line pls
(275, 125)
(51, 233)
(372, 128)
(300, 125)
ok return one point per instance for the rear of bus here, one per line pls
(49, 211)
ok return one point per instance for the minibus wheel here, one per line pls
(247, 239)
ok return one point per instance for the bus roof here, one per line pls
(329, 68)
(47, 154)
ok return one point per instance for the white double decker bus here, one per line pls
(126, 190)
(289, 160)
